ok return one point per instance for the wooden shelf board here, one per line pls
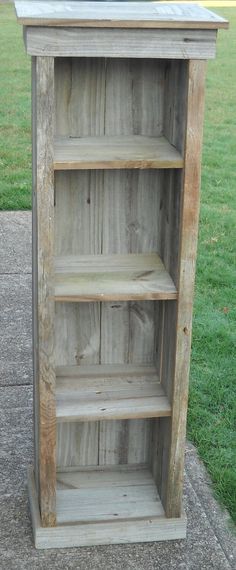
(97, 392)
(107, 495)
(112, 278)
(101, 521)
(106, 152)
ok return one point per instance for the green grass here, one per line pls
(15, 138)
(212, 404)
(212, 408)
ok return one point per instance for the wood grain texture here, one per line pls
(77, 444)
(170, 213)
(123, 125)
(124, 219)
(35, 274)
(115, 152)
(117, 14)
(134, 105)
(137, 43)
(79, 102)
(112, 277)
(187, 260)
(86, 477)
(109, 392)
(120, 499)
(111, 532)
(44, 188)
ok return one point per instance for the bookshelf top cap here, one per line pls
(117, 15)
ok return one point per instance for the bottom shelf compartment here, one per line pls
(111, 505)
(107, 494)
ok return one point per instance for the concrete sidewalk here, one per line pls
(209, 543)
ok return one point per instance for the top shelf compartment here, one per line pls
(110, 152)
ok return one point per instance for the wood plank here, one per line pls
(35, 275)
(127, 493)
(105, 370)
(152, 406)
(115, 152)
(134, 105)
(106, 277)
(174, 129)
(44, 187)
(115, 392)
(77, 444)
(82, 505)
(80, 96)
(79, 93)
(138, 43)
(117, 14)
(112, 475)
(110, 532)
(187, 262)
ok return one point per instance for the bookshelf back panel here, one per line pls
(98, 96)
(107, 212)
(114, 212)
(105, 333)
(113, 442)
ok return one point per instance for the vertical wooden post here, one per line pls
(169, 444)
(34, 274)
(43, 254)
(187, 263)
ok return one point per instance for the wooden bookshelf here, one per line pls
(117, 117)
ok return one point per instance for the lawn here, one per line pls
(212, 405)
(15, 142)
(212, 409)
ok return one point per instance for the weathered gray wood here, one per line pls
(43, 101)
(82, 42)
(175, 366)
(77, 326)
(127, 204)
(77, 444)
(188, 248)
(112, 278)
(117, 14)
(170, 202)
(104, 494)
(115, 532)
(109, 392)
(145, 207)
(69, 205)
(86, 477)
(115, 152)
(80, 101)
(79, 90)
(35, 274)
(114, 436)
(109, 504)
(134, 105)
